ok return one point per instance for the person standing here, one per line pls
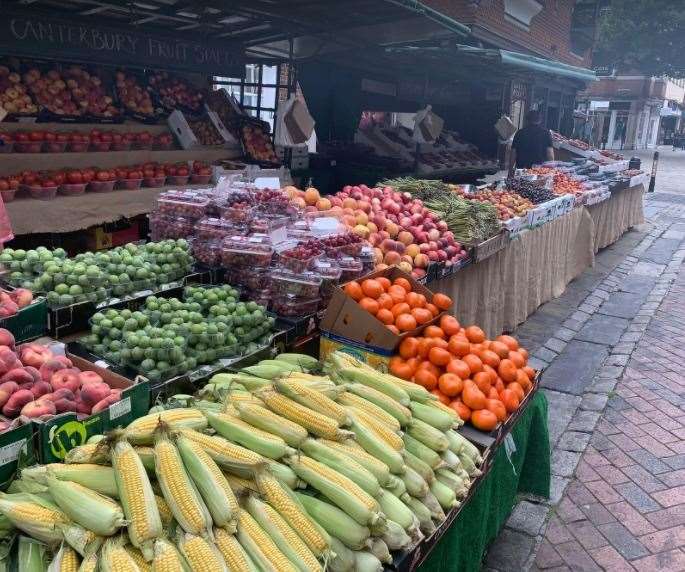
(532, 144)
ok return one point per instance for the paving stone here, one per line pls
(602, 385)
(593, 402)
(597, 514)
(545, 354)
(573, 325)
(564, 462)
(631, 337)
(673, 560)
(602, 329)
(637, 497)
(662, 250)
(623, 349)
(616, 359)
(555, 345)
(574, 441)
(587, 534)
(650, 462)
(547, 556)
(536, 363)
(644, 268)
(623, 541)
(564, 334)
(510, 550)
(622, 304)
(610, 372)
(637, 284)
(576, 558)
(609, 559)
(528, 517)
(584, 421)
(574, 369)
(557, 487)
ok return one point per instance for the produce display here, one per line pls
(168, 336)
(395, 304)
(257, 143)
(134, 97)
(483, 380)
(14, 95)
(564, 184)
(96, 277)
(174, 91)
(38, 383)
(11, 301)
(535, 193)
(277, 485)
(508, 204)
(205, 132)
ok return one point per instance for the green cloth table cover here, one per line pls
(527, 470)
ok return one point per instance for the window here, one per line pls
(260, 91)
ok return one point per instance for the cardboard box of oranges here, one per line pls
(382, 308)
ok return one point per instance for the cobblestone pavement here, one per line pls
(616, 390)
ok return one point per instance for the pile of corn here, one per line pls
(268, 469)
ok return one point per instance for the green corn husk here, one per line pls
(99, 478)
(266, 420)
(305, 362)
(84, 541)
(433, 416)
(421, 467)
(44, 528)
(423, 514)
(395, 537)
(434, 507)
(396, 485)
(367, 562)
(380, 550)
(32, 555)
(415, 483)
(342, 559)
(429, 436)
(418, 449)
(378, 448)
(395, 510)
(446, 496)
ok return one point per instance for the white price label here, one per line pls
(101, 363)
(10, 453)
(120, 408)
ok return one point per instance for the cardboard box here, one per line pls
(347, 319)
(180, 127)
(377, 359)
(490, 246)
(56, 437)
(299, 122)
(16, 446)
(29, 323)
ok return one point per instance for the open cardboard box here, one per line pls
(346, 319)
(54, 438)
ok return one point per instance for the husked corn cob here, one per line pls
(115, 558)
(167, 558)
(342, 491)
(89, 563)
(36, 517)
(314, 422)
(266, 420)
(260, 546)
(287, 505)
(201, 555)
(285, 538)
(355, 452)
(355, 402)
(84, 506)
(380, 429)
(286, 475)
(84, 541)
(95, 477)
(237, 560)
(314, 400)
(225, 453)
(141, 431)
(137, 556)
(137, 498)
(94, 453)
(235, 429)
(66, 560)
(165, 513)
(210, 482)
(239, 485)
(401, 413)
(178, 489)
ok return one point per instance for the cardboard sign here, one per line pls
(299, 122)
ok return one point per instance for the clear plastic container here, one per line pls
(200, 179)
(210, 228)
(101, 186)
(208, 252)
(190, 205)
(8, 147)
(141, 146)
(54, 146)
(177, 180)
(77, 147)
(100, 146)
(299, 230)
(28, 146)
(351, 268)
(267, 225)
(71, 189)
(345, 244)
(328, 269)
(262, 297)
(164, 226)
(120, 146)
(252, 278)
(8, 195)
(43, 193)
(367, 258)
(304, 285)
(293, 306)
(158, 146)
(237, 214)
(129, 184)
(153, 182)
(255, 251)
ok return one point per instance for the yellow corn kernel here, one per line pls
(181, 496)
(137, 556)
(225, 453)
(36, 520)
(141, 431)
(277, 496)
(164, 511)
(356, 402)
(256, 536)
(89, 563)
(94, 453)
(366, 460)
(68, 559)
(239, 485)
(201, 555)
(373, 424)
(315, 400)
(115, 558)
(314, 422)
(167, 558)
(234, 554)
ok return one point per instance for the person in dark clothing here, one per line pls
(532, 144)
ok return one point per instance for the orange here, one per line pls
(490, 358)
(507, 370)
(491, 372)
(450, 384)
(433, 309)
(441, 396)
(409, 347)
(459, 368)
(434, 332)
(401, 308)
(497, 407)
(370, 305)
(517, 358)
(413, 300)
(475, 335)
(442, 301)
(508, 341)
(449, 325)
(439, 356)
(472, 396)
(426, 378)
(421, 315)
(405, 322)
(459, 346)
(404, 283)
(386, 301)
(393, 329)
(434, 369)
(474, 363)
(530, 372)
(484, 419)
(510, 400)
(372, 288)
(502, 350)
(462, 410)
(354, 290)
(482, 380)
(422, 301)
(517, 389)
(398, 293)
(384, 282)
(401, 369)
(524, 353)
(385, 316)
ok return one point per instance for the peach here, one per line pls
(323, 204)
(22, 297)
(40, 389)
(38, 408)
(372, 227)
(63, 404)
(361, 217)
(421, 261)
(405, 237)
(67, 378)
(392, 258)
(18, 374)
(82, 407)
(350, 221)
(361, 230)
(6, 338)
(408, 259)
(49, 367)
(94, 392)
(392, 228)
(106, 402)
(34, 354)
(34, 373)
(65, 360)
(8, 360)
(418, 273)
(405, 266)
(87, 377)
(299, 202)
(16, 402)
(364, 205)
(381, 266)
(349, 203)
(412, 250)
(377, 255)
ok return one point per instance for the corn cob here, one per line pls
(115, 558)
(376, 380)
(201, 555)
(137, 497)
(459, 444)
(305, 362)
(380, 550)
(89, 563)
(314, 400)
(287, 505)
(355, 452)
(453, 481)
(286, 475)
(211, 482)
(260, 546)
(468, 465)
(434, 507)
(321, 384)
(84, 506)
(342, 491)
(225, 453)
(396, 485)
(240, 486)
(29, 486)
(96, 477)
(31, 554)
(445, 495)
(429, 436)
(84, 541)
(178, 488)
(250, 382)
(270, 370)
(235, 429)
(453, 461)
(94, 453)
(417, 448)
(342, 559)
(336, 522)
(266, 420)
(401, 413)
(367, 562)
(423, 515)
(420, 466)
(35, 516)
(235, 397)
(378, 448)
(447, 410)
(416, 392)
(314, 422)
(285, 538)
(396, 537)
(66, 560)
(432, 416)
(373, 424)
(237, 560)
(137, 556)
(167, 558)
(141, 431)
(147, 457)
(397, 511)
(342, 464)
(349, 399)
(414, 483)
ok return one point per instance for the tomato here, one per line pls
(74, 177)
(102, 176)
(4, 185)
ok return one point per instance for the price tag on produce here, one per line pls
(120, 408)
(10, 453)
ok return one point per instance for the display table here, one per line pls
(617, 214)
(525, 470)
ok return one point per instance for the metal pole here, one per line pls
(655, 165)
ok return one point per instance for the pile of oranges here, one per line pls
(395, 303)
(483, 380)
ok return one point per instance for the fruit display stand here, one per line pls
(617, 214)
(29, 323)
